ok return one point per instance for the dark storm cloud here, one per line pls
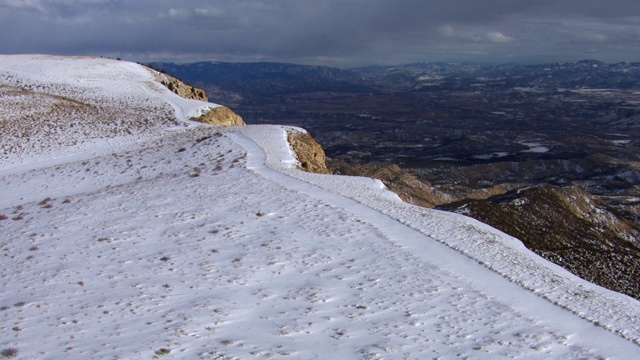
(338, 32)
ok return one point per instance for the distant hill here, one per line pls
(265, 78)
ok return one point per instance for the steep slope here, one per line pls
(201, 241)
(220, 115)
(588, 238)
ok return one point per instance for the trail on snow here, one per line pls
(440, 246)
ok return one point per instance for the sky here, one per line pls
(341, 33)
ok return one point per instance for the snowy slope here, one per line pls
(55, 106)
(180, 240)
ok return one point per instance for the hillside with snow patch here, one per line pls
(130, 232)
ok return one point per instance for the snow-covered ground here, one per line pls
(181, 240)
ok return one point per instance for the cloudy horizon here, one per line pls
(340, 33)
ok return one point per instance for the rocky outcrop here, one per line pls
(414, 190)
(179, 87)
(220, 115)
(308, 152)
(408, 187)
(570, 228)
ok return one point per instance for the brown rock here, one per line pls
(407, 186)
(308, 152)
(220, 115)
(179, 87)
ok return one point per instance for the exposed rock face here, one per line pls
(408, 187)
(220, 115)
(179, 87)
(570, 228)
(414, 190)
(308, 152)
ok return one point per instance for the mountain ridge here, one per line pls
(191, 240)
(446, 134)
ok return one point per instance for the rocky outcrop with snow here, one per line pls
(179, 87)
(307, 151)
(219, 115)
(216, 115)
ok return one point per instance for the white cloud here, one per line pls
(44, 5)
(208, 12)
(595, 37)
(447, 30)
(23, 4)
(473, 34)
(497, 37)
(179, 13)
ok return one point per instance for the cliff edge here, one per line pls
(178, 86)
(219, 115)
(308, 152)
